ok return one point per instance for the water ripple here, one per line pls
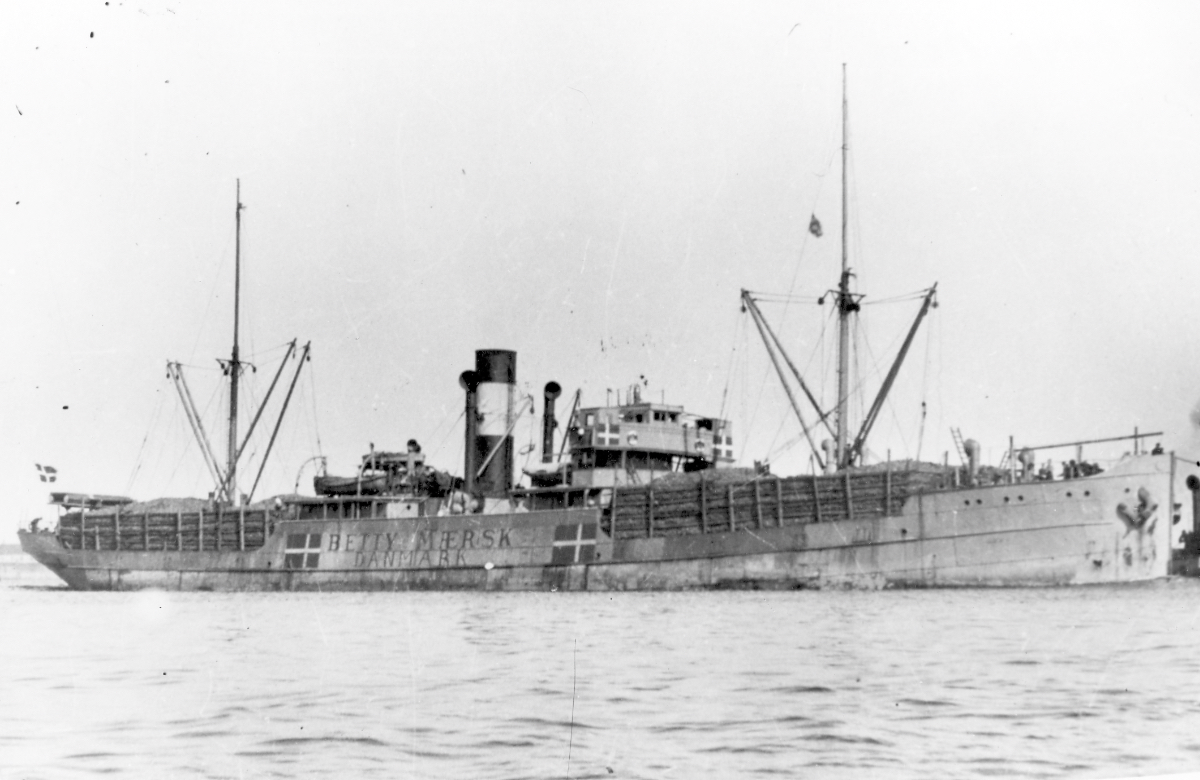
(893, 684)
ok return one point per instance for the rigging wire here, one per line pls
(155, 457)
(307, 437)
(252, 401)
(768, 297)
(205, 367)
(183, 454)
(762, 384)
(901, 298)
(182, 428)
(220, 396)
(449, 432)
(785, 298)
(861, 337)
(815, 354)
(819, 353)
(790, 296)
(924, 396)
(931, 344)
(891, 347)
(458, 452)
(784, 448)
(824, 355)
(137, 461)
(739, 369)
(859, 253)
(738, 323)
(251, 397)
(313, 395)
(805, 235)
(212, 293)
(247, 300)
(925, 388)
(182, 442)
(857, 393)
(531, 447)
(892, 408)
(896, 420)
(289, 441)
(268, 351)
(744, 389)
(859, 389)
(779, 428)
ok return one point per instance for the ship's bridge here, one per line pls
(632, 442)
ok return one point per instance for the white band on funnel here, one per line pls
(493, 401)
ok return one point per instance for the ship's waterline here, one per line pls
(1108, 528)
(645, 496)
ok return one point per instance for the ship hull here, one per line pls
(1111, 528)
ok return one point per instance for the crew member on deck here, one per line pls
(410, 462)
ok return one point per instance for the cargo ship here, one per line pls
(647, 496)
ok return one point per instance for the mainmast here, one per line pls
(845, 454)
(846, 305)
(234, 364)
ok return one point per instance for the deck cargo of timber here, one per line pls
(647, 498)
(639, 495)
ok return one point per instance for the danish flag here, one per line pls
(574, 544)
(303, 551)
(608, 434)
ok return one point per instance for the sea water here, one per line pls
(1071, 682)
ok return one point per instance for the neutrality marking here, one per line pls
(608, 434)
(303, 551)
(574, 544)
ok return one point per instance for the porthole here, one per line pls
(1068, 494)
(967, 502)
(1087, 492)
(1006, 499)
(1020, 498)
(979, 501)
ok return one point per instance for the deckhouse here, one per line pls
(635, 442)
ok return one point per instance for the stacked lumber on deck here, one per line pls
(712, 502)
(222, 529)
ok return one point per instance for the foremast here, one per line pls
(226, 480)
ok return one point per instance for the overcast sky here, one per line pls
(589, 184)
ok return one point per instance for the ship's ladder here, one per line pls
(956, 434)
